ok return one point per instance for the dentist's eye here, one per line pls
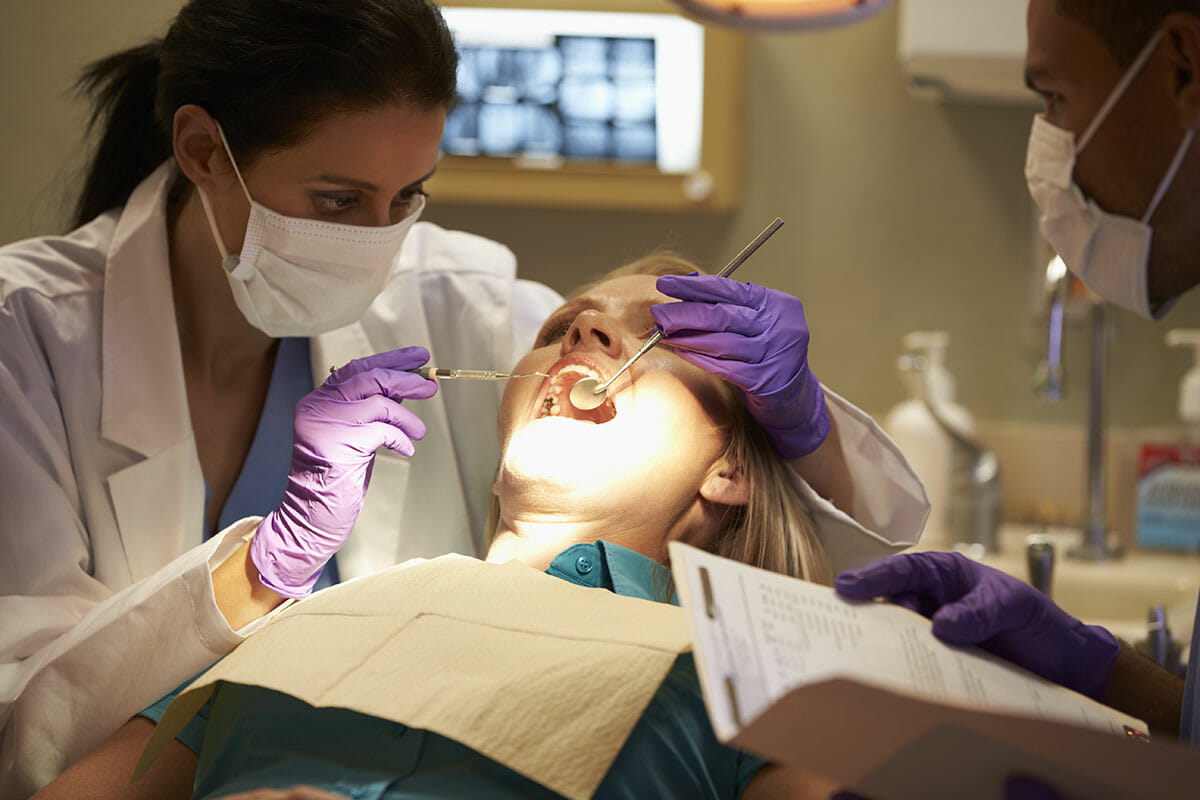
(335, 202)
(403, 203)
(1050, 99)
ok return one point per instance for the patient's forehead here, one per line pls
(617, 293)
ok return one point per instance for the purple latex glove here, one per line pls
(755, 338)
(336, 430)
(970, 603)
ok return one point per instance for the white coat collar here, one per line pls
(144, 404)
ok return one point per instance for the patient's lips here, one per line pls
(553, 399)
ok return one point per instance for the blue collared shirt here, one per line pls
(257, 738)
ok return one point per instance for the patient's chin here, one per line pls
(564, 454)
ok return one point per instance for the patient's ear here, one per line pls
(726, 483)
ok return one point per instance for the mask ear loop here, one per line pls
(1119, 90)
(229, 261)
(1170, 176)
(233, 161)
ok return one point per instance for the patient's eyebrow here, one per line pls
(576, 305)
(564, 315)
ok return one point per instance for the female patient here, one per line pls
(672, 455)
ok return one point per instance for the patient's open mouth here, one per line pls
(553, 400)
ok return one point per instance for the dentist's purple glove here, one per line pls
(973, 604)
(755, 338)
(336, 430)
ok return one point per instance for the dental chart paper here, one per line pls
(864, 694)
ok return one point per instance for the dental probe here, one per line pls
(438, 373)
(589, 393)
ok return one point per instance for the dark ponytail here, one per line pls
(123, 87)
(267, 70)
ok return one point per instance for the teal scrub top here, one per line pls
(258, 738)
(263, 478)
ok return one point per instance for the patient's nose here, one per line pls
(596, 332)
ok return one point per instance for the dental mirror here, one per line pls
(586, 395)
(589, 393)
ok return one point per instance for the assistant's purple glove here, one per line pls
(970, 603)
(336, 430)
(755, 338)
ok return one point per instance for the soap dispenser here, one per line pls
(922, 439)
(1189, 387)
(1168, 487)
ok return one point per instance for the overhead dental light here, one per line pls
(781, 15)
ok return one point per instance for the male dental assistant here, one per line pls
(1113, 171)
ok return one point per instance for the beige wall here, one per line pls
(901, 214)
(43, 46)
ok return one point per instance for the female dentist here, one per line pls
(148, 374)
(239, 234)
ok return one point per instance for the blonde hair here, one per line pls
(773, 530)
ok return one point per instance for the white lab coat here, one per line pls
(106, 599)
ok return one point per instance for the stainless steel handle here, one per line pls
(1039, 556)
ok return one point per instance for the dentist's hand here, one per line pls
(973, 604)
(757, 339)
(336, 430)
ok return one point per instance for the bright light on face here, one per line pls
(651, 414)
(633, 465)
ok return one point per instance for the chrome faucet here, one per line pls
(1056, 291)
(1095, 545)
(1049, 383)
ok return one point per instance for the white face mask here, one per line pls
(303, 277)
(1110, 253)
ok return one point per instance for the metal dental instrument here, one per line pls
(438, 373)
(589, 393)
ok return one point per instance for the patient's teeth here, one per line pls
(560, 383)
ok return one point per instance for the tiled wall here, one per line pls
(1044, 472)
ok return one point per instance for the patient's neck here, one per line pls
(536, 537)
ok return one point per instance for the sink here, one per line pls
(1116, 594)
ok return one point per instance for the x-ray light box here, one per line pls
(578, 85)
(628, 107)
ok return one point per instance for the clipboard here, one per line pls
(864, 695)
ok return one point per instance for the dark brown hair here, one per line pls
(267, 70)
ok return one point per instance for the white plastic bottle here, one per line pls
(1168, 489)
(918, 435)
(1189, 386)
